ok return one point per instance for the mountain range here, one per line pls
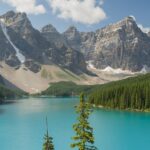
(83, 57)
(119, 45)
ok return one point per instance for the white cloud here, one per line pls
(28, 6)
(144, 29)
(83, 11)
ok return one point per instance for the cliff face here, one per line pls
(51, 34)
(21, 43)
(72, 37)
(120, 45)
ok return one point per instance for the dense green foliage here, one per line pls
(6, 93)
(68, 89)
(84, 138)
(131, 93)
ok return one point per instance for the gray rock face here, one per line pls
(51, 34)
(87, 46)
(6, 50)
(49, 29)
(45, 47)
(65, 56)
(84, 41)
(35, 43)
(120, 45)
(148, 34)
(33, 66)
(72, 37)
(13, 61)
(71, 59)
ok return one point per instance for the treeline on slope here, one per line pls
(131, 93)
(66, 88)
(6, 93)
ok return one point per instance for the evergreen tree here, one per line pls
(84, 138)
(131, 93)
(147, 99)
(48, 141)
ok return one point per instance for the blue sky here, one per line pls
(88, 17)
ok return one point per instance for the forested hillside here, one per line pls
(68, 89)
(6, 93)
(131, 93)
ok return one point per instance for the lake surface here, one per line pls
(22, 126)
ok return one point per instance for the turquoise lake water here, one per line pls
(22, 126)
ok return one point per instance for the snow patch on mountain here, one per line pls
(116, 71)
(90, 64)
(109, 69)
(20, 57)
(145, 69)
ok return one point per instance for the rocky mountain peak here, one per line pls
(9, 14)
(49, 29)
(128, 23)
(130, 18)
(119, 45)
(19, 38)
(122, 45)
(72, 37)
(71, 32)
(52, 35)
(11, 18)
(72, 29)
(19, 22)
